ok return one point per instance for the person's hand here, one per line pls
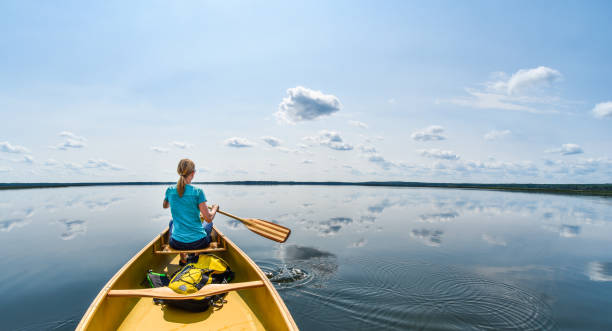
(215, 207)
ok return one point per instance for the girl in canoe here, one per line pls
(186, 202)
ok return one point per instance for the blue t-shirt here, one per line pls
(187, 226)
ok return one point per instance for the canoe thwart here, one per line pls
(168, 294)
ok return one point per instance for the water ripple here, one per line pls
(68, 324)
(377, 293)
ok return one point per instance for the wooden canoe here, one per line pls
(259, 308)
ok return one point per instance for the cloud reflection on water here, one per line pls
(234, 224)
(296, 252)
(18, 219)
(569, 231)
(429, 237)
(493, 240)
(439, 217)
(100, 205)
(380, 207)
(72, 228)
(600, 271)
(10, 224)
(95, 204)
(161, 217)
(359, 243)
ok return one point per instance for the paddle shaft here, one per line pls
(263, 228)
(232, 216)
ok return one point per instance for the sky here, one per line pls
(433, 91)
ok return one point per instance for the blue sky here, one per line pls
(439, 91)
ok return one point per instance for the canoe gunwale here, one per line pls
(150, 248)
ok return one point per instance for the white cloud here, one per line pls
(358, 124)
(93, 164)
(238, 142)
(159, 149)
(304, 104)
(181, 144)
(488, 100)
(430, 133)
(287, 150)
(73, 141)
(580, 167)
(51, 162)
(72, 136)
(392, 101)
(69, 144)
(439, 154)
(366, 149)
(531, 78)
(498, 169)
(330, 139)
(523, 91)
(307, 162)
(102, 164)
(73, 166)
(28, 159)
(272, 141)
(603, 109)
(352, 170)
(381, 161)
(567, 149)
(6, 147)
(494, 134)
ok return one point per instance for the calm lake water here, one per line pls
(358, 257)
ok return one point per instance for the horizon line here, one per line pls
(583, 189)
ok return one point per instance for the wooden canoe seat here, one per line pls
(164, 248)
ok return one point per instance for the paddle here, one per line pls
(168, 294)
(263, 228)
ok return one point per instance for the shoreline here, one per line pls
(568, 189)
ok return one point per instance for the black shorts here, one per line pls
(181, 246)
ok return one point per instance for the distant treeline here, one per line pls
(586, 189)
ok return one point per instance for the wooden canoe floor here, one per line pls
(235, 315)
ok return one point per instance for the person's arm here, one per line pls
(166, 202)
(208, 215)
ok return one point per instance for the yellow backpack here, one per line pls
(193, 276)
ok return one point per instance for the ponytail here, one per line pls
(180, 186)
(184, 169)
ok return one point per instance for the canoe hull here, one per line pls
(250, 309)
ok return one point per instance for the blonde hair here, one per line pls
(185, 168)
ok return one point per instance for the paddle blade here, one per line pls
(267, 229)
(168, 294)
